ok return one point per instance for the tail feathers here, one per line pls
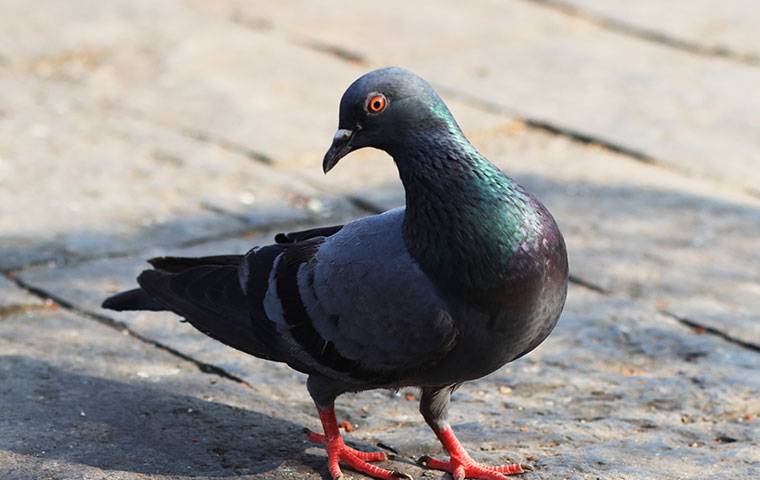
(209, 297)
(137, 299)
(207, 293)
(180, 264)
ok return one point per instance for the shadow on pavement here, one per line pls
(50, 413)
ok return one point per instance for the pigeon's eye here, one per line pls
(376, 103)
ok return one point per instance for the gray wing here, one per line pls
(355, 306)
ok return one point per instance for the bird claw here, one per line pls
(337, 451)
(462, 468)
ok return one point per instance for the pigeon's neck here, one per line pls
(466, 222)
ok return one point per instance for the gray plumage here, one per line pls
(470, 275)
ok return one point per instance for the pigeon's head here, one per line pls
(386, 108)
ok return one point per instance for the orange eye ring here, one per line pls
(376, 103)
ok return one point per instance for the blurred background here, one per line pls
(130, 129)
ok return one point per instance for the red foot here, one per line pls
(462, 466)
(338, 451)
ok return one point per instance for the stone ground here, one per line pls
(136, 128)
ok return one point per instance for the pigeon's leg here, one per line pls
(434, 406)
(337, 450)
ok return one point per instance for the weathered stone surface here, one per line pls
(125, 136)
(12, 297)
(80, 400)
(732, 28)
(689, 112)
(80, 180)
(260, 89)
(244, 84)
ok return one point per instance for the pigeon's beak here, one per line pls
(341, 146)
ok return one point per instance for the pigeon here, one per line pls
(471, 274)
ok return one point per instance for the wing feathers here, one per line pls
(346, 302)
(137, 299)
(300, 236)
(210, 298)
(300, 324)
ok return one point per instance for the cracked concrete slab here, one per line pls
(729, 30)
(89, 402)
(688, 110)
(126, 138)
(12, 296)
(242, 84)
(92, 181)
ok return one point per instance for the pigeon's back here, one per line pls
(357, 308)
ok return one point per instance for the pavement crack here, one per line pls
(567, 8)
(692, 324)
(124, 329)
(206, 137)
(476, 102)
(364, 204)
(75, 260)
(708, 330)
(196, 134)
(336, 51)
(260, 24)
(589, 285)
(385, 446)
(247, 231)
(649, 35)
(581, 137)
(223, 212)
(548, 127)
(533, 123)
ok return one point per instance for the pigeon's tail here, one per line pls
(206, 292)
(137, 299)
(180, 264)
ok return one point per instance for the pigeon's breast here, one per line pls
(531, 302)
(515, 316)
